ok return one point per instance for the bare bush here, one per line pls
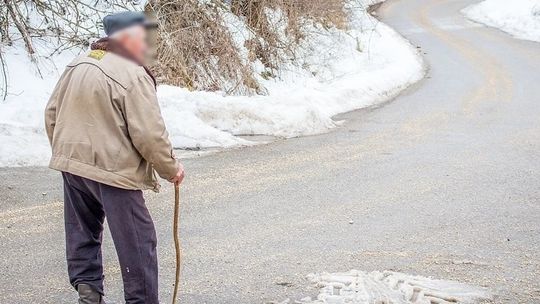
(328, 12)
(194, 46)
(70, 23)
(195, 49)
(269, 46)
(61, 24)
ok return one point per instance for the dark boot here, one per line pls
(87, 295)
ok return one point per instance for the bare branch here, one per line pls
(21, 27)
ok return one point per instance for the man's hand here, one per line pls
(179, 176)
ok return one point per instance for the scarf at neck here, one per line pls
(110, 45)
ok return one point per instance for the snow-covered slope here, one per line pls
(340, 71)
(518, 18)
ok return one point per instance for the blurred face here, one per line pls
(134, 41)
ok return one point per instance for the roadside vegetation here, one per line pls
(279, 68)
(209, 45)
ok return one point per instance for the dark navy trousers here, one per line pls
(86, 205)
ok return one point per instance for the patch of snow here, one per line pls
(338, 71)
(518, 18)
(358, 287)
(341, 71)
(23, 141)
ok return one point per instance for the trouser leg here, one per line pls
(83, 217)
(134, 237)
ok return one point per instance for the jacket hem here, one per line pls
(94, 173)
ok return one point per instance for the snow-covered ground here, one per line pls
(518, 18)
(358, 287)
(340, 70)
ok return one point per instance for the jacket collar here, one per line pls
(110, 45)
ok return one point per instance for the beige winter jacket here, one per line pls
(104, 123)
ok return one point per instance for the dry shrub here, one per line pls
(270, 47)
(67, 23)
(327, 12)
(266, 44)
(61, 24)
(195, 49)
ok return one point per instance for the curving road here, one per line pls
(444, 181)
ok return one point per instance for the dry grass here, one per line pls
(271, 48)
(195, 49)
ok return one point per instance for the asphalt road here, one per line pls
(444, 181)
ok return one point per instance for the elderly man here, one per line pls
(108, 139)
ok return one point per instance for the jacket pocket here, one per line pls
(127, 159)
(79, 151)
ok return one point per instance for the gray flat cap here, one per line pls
(119, 21)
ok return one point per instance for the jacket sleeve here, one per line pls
(50, 118)
(52, 104)
(50, 111)
(146, 127)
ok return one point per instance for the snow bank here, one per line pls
(339, 71)
(358, 287)
(23, 140)
(518, 18)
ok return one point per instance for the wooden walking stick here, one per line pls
(176, 235)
